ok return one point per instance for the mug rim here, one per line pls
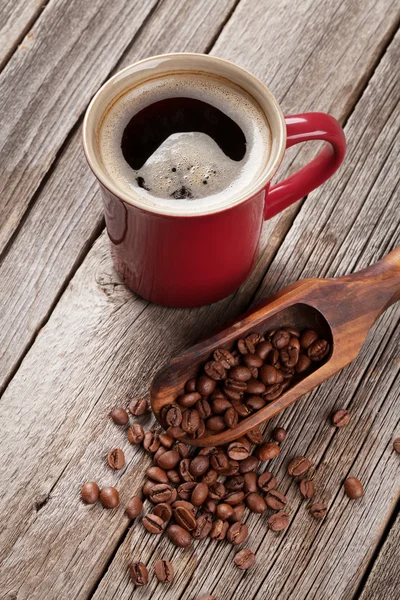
(92, 120)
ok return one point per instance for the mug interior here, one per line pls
(158, 66)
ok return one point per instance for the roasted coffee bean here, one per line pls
(255, 387)
(251, 361)
(134, 507)
(272, 392)
(266, 482)
(246, 346)
(179, 536)
(190, 385)
(199, 494)
(303, 363)
(219, 529)
(256, 503)
(224, 357)
(234, 483)
(157, 474)
(182, 449)
(173, 416)
(268, 451)
(278, 521)
(254, 338)
(199, 465)
(235, 387)
(248, 464)
(238, 451)
(244, 559)
(231, 417)
(275, 500)
(298, 466)
(290, 354)
(166, 440)
(220, 405)
(238, 512)
(209, 507)
(224, 511)
(169, 460)
(353, 488)
(162, 492)
(396, 445)
(153, 524)
(138, 573)
(203, 527)
(190, 420)
(318, 510)
(90, 492)
(185, 518)
(216, 491)
(184, 470)
(239, 373)
(308, 337)
(232, 469)
(254, 403)
(237, 533)
(164, 571)
(203, 408)
(340, 418)
(109, 497)
(280, 339)
(219, 461)
(210, 477)
(307, 488)
(176, 432)
(119, 416)
(215, 424)
(173, 476)
(164, 511)
(234, 498)
(263, 349)
(278, 434)
(158, 454)
(318, 350)
(185, 490)
(255, 436)
(205, 385)
(138, 407)
(135, 434)
(188, 400)
(215, 370)
(151, 442)
(147, 487)
(188, 505)
(250, 482)
(242, 410)
(116, 459)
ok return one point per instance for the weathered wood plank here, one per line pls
(102, 342)
(56, 235)
(384, 579)
(16, 18)
(47, 84)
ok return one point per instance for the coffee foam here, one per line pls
(195, 157)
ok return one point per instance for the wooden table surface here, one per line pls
(74, 341)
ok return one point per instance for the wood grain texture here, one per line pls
(16, 18)
(47, 84)
(102, 342)
(384, 580)
(56, 235)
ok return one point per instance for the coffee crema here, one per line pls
(185, 141)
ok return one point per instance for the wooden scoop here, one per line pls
(341, 310)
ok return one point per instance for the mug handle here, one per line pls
(302, 128)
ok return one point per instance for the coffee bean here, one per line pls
(138, 407)
(205, 385)
(151, 442)
(268, 451)
(169, 460)
(280, 339)
(234, 483)
(147, 487)
(275, 500)
(308, 337)
(203, 408)
(172, 415)
(164, 511)
(219, 461)
(190, 385)
(255, 387)
(215, 424)
(182, 449)
(166, 440)
(244, 559)
(396, 445)
(298, 466)
(278, 434)
(219, 529)
(237, 533)
(184, 470)
(185, 518)
(199, 465)
(248, 464)
(215, 370)
(242, 410)
(199, 494)
(157, 475)
(188, 505)
(250, 482)
(176, 432)
(353, 488)
(164, 571)
(272, 392)
(162, 492)
(190, 421)
(119, 416)
(135, 434)
(209, 507)
(134, 507)
(203, 527)
(153, 524)
(278, 521)
(307, 488)
(188, 400)
(239, 373)
(238, 451)
(173, 476)
(109, 497)
(90, 492)
(263, 349)
(340, 418)
(255, 436)
(158, 454)
(234, 498)
(246, 346)
(216, 491)
(224, 357)
(318, 510)
(224, 511)
(290, 354)
(116, 459)
(303, 363)
(256, 503)
(318, 350)
(220, 405)
(138, 573)
(251, 361)
(255, 403)
(179, 536)
(185, 490)
(238, 512)
(210, 477)
(266, 482)
(231, 417)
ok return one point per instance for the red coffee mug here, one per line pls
(201, 257)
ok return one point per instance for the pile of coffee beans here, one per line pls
(234, 384)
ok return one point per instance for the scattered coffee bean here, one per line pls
(237, 533)
(234, 498)
(134, 507)
(219, 529)
(199, 494)
(164, 511)
(90, 492)
(215, 370)
(116, 459)
(275, 500)
(109, 497)
(268, 451)
(396, 445)
(238, 512)
(250, 482)
(203, 527)
(199, 465)
(256, 503)
(353, 488)
(135, 434)
(255, 436)
(179, 536)
(266, 482)
(298, 466)
(166, 440)
(244, 559)
(185, 518)
(164, 571)
(119, 416)
(318, 510)
(248, 464)
(138, 407)
(169, 460)
(156, 474)
(307, 488)
(340, 417)
(151, 442)
(224, 511)
(153, 524)
(162, 492)
(238, 450)
(278, 521)
(139, 574)
(279, 434)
